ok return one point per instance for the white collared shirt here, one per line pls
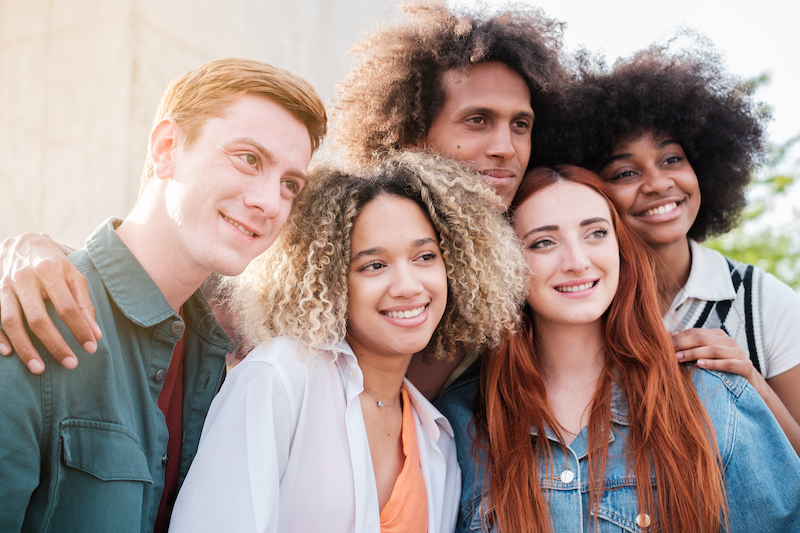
(779, 306)
(285, 449)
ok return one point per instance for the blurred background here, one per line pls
(80, 81)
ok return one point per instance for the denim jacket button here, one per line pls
(643, 520)
(567, 476)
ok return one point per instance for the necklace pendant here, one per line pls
(380, 404)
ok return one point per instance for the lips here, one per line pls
(576, 288)
(410, 313)
(498, 174)
(240, 227)
(660, 210)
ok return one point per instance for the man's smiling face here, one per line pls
(486, 121)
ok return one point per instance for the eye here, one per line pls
(372, 266)
(249, 158)
(476, 120)
(624, 175)
(521, 125)
(427, 256)
(673, 159)
(599, 233)
(541, 244)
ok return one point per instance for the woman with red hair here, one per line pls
(558, 428)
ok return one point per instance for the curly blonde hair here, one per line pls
(390, 99)
(298, 288)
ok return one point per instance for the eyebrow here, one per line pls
(490, 111)
(659, 146)
(555, 227)
(378, 250)
(595, 220)
(267, 154)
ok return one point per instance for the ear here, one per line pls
(163, 143)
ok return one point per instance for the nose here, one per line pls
(575, 258)
(656, 181)
(405, 282)
(501, 145)
(264, 195)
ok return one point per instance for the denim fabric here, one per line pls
(761, 470)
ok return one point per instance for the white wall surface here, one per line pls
(80, 81)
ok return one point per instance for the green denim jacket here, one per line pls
(84, 449)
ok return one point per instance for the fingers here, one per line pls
(712, 349)
(696, 337)
(11, 318)
(5, 344)
(733, 366)
(34, 269)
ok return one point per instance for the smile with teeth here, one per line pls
(411, 313)
(659, 210)
(239, 226)
(577, 288)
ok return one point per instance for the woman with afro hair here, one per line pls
(676, 140)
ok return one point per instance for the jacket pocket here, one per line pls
(109, 452)
(619, 511)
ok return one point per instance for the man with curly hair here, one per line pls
(105, 445)
(470, 86)
(473, 87)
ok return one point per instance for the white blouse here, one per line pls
(284, 449)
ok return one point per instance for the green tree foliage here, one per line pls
(773, 246)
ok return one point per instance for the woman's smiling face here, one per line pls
(654, 188)
(572, 252)
(397, 283)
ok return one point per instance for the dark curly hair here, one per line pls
(684, 94)
(390, 100)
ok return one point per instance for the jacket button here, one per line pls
(177, 327)
(161, 375)
(165, 459)
(567, 476)
(643, 520)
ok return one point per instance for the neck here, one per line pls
(383, 374)
(147, 233)
(673, 264)
(570, 353)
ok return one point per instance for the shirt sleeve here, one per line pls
(21, 427)
(234, 481)
(781, 307)
(761, 469)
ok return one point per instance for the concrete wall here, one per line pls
(80, 81)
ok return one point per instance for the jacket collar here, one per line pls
(430, 418)
(126, 281)
(705, 281)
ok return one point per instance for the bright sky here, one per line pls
(754, 37)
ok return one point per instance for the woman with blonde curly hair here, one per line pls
(317, 429)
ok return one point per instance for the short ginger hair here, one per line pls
(391, 98)
(208, 90)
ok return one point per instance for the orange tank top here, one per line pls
(407, 508)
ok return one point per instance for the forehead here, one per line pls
(490, 85)
(387, 219)
(258, 118)
(563, 204)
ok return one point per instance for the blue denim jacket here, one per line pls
(761, 469)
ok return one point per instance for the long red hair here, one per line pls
(670, 438)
